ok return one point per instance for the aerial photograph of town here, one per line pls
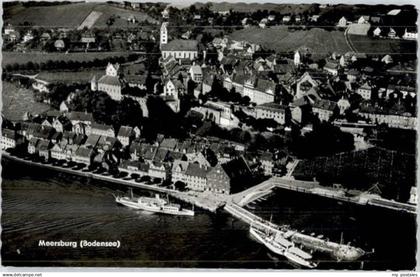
(209, 135)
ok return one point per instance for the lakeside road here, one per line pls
(201, 200)
(212, 202)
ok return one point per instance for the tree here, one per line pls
(127, 112)
(245, 100)
(103, 107)
(181, 186)
(149, 83)
(324, 140)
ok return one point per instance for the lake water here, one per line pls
(38, 204)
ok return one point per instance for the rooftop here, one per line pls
(109, 80)
(84, 152)
(101, 126)
(324, 104)
(196, 170)
(180, 45)
(271, 106)
(125, 131)
(80, 116)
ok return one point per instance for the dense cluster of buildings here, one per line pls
(287, 89)
(62, 39)
(76, 137)
(323, 89)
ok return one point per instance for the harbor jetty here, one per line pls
(336, 250)
(264, 188)
(233, 204)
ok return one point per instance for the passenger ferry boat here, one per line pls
(279, 245)
(153, 204)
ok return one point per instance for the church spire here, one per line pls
(164, 33)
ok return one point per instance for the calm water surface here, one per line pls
(39, 204)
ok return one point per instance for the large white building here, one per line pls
(109, 83)
(271, 111)
(219, 113)
(260, 91)
(8, 139)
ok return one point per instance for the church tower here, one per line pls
(164, 33)
(297, 58)
(93, 84)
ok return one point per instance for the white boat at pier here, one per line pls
(153, 204)
(281, 246)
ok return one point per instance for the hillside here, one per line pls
(250, 7)
(70, 15)
(280, 39)
(368, 45)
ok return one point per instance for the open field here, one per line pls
(38, 57)
(368, 45)
(90, 20)
(70, 77)
(17, 101)
(71, 15)
(280, 39)
(120, 16)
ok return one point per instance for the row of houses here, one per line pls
(167, 159)
(409, 33)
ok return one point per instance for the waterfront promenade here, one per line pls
(201, 200)
(212, 202)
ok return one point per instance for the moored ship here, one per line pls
(153, 204)
(283, 247)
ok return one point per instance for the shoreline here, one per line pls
(211, 207)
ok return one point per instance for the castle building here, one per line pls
(171, 91)
(109, 83)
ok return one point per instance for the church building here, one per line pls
(178, 48)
